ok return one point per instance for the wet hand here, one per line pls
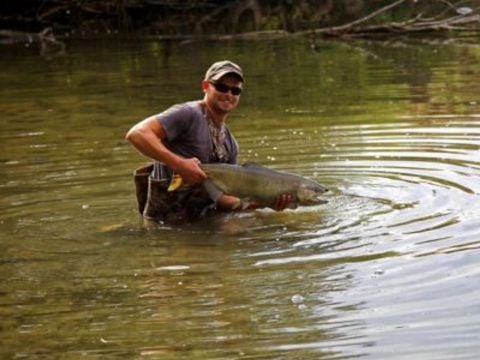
(191, 172)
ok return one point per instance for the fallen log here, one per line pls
(465, 19)
(49, 45)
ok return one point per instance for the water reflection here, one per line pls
(386, 268)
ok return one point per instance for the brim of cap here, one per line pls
(221, 74)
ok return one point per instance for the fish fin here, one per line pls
(213, 191)
(238, 205)
(175, 183)
(246, 204)
(252, 164)
(292, 205)
(242, 204)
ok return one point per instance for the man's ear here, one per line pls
(205, 85)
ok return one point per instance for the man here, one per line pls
(181, 138)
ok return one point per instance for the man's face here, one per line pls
(221, 94)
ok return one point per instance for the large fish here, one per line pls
(254, 182)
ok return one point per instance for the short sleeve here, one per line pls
(176, 120)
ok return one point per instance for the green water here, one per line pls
(387, 269)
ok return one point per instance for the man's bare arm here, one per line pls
(147, 137)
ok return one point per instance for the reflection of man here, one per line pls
(181, 138)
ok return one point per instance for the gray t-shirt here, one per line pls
(188, 133)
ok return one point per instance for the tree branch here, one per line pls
(415, 24)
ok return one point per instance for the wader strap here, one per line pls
(140, 177)
(159, 201)
(161, 172)
(218, 137)
(156, 203)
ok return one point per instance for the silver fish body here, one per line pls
(256, 182)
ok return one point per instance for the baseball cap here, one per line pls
(222, 68)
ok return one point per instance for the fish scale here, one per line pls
(256, 182)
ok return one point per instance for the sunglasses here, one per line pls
(225, 88)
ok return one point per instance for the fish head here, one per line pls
(309, 193)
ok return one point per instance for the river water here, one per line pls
(388, 268)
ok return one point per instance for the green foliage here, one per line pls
(186, 17)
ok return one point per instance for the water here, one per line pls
(387, 269)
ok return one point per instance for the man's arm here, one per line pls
(147, 137)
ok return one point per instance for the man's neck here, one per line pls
(217, 117)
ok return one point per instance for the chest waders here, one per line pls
(156, 203)
(189, 202)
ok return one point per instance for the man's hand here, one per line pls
(190, 171)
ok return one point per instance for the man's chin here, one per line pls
(226, 107)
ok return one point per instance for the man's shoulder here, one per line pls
(186, 108)
(186, 115)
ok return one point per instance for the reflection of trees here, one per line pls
(439, 78)
(369, 77)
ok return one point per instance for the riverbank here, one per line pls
(233, 18)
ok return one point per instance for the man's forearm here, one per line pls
(147, 143)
